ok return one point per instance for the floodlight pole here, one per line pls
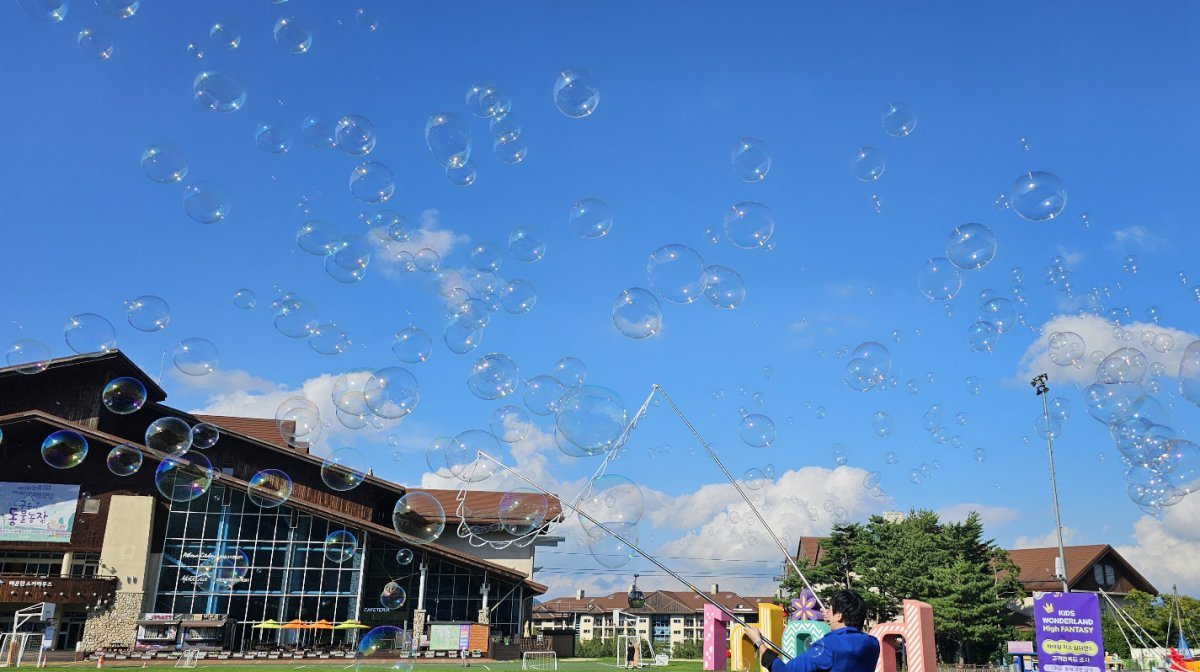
(1039, 384)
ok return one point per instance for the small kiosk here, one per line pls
(157, 632)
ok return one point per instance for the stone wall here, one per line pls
(117, 624)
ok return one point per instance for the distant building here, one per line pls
(669, 616)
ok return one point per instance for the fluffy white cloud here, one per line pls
(1165, 551)
(1135, 238)
(1097, 334)
(1045, 540)
(393, 255)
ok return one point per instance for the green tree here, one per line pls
(969, 581)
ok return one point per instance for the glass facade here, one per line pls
(224, 555)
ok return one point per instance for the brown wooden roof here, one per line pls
(1037, 569)
(266, 430)
(809, 549)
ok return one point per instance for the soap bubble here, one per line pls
(348, 263)
(891, 458)
(570, 371)
(750, 160)
(486, 257)
(64, 449)
(882, 423)
(427, 260)
(269, 488)
(724, 287)
(317, 238)
(518, 296)
(206, 202)
(525, 244)
(868, 366)
(939, 280)
(541, 394)
(183, 476)
(344, 469)
(124, 460)
(867, 165)
(487, 101)
(932, 419)
(840, 455)
(1189, 373)
(392, 392)
(753, 479)
(494, 376)
(973, 384)
(392, 596)
(124, 395)
(51, 11)
(610, 499)
(412, 345)
(592, 418)
(318, 133)
(1038, 196)
(1001, 312)
(461, 336)
(196, 357)
(608, 550)
(355, 135)
(95, 43)
(299, 421)
(522, 511)
(418, 517)
(329, 339)
(86, 333)
(971, 246)
(372, 182)
(590, 218)
(29, 355)
(204, 435)
(169, 435)
(1060, 408)
(448, 139)
(164, 164)
(636, 313)
(292, 36)
(676, 273)
(982, 336)
(272, 138)
(1048, 428)
(898, 120)
(1064, 348)
(463, 459)
(404, 557)
(218, 92)
(1124, 365)
(576, 94)
(510, 424)
(340, 546)
(749, 225)
(225, 34)
(757, 430)
(148, 313)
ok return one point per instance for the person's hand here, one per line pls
(754, 635)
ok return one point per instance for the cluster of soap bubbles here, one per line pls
(610, 508)
(676, 273)
(868, 366)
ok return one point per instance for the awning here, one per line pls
(158, 622)
(204, 624)
(270, 624)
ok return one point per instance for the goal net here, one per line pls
(629, 651)
(539, 660)
(19, 648)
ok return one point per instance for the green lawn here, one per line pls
(565, 665)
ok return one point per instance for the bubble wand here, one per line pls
(586, 516)
(733, 481)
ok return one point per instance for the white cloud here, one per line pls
(1135, 238)
(1045, 540)
(1071, 258)
(1097, 334)
(990, 516)
(428, 234)
(1165, 551)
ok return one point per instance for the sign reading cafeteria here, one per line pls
(37, 511)
(1069, 638)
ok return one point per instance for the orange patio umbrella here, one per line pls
(295, 624)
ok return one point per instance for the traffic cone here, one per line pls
(100, 662)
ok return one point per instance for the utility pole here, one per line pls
(1039, 384)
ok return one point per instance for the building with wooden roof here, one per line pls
(125, 564)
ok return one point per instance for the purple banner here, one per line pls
(1068, 632)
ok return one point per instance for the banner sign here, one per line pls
(1069, 638)
(37, 512)
(449, 637)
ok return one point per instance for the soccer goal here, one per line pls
(19, 648)
(188, 659)
(539, 660)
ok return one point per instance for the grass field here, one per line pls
(565, 665)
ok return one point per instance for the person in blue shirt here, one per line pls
(845, 649)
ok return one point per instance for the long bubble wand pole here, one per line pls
(733, 481)
(586, 516)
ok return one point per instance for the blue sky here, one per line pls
(1105, 98)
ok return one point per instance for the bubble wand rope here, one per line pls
(738, 487)
(586, 516)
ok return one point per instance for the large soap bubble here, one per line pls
(494, 376)
(418, 517)
(939, 280)
(636, 313)
(355, 135)
(1038, 196)
(86, 333)
(1000, 312)
(299, 421)
(869, 365)
(610, 499)
(750, 160)
(184, 476)
(1124, 365)
(64, 449)
(526, 244)
(372, 182)
(205, 435)
(218, 92)
(676, 273)
(510, 424)
(1189, 373)
(384, 648)
(293, 36)
(898, 119)
(269, 488)
(590, 218)
(148, 313)
(522, 511)
(340, 546)
(971, 246)
(196, 357)
(344, 469)
(124, 395)
(724, 287)
(576, 93)
(518, 296)
(412, 345)
(28, 355)
(392, 392)
(757, 430)
(206, 202)
(982, 336)
(164, 164)
(867, 164)
(169, 435)
(749, 225)
(609, 550)
(124, 460)
(592, 418)
(541, 394)
(570, 371)
(462, 455)
(882, 424)
(1064, 348)
(392, 596)
(448, 139)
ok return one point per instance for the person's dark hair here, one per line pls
(851, 606)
